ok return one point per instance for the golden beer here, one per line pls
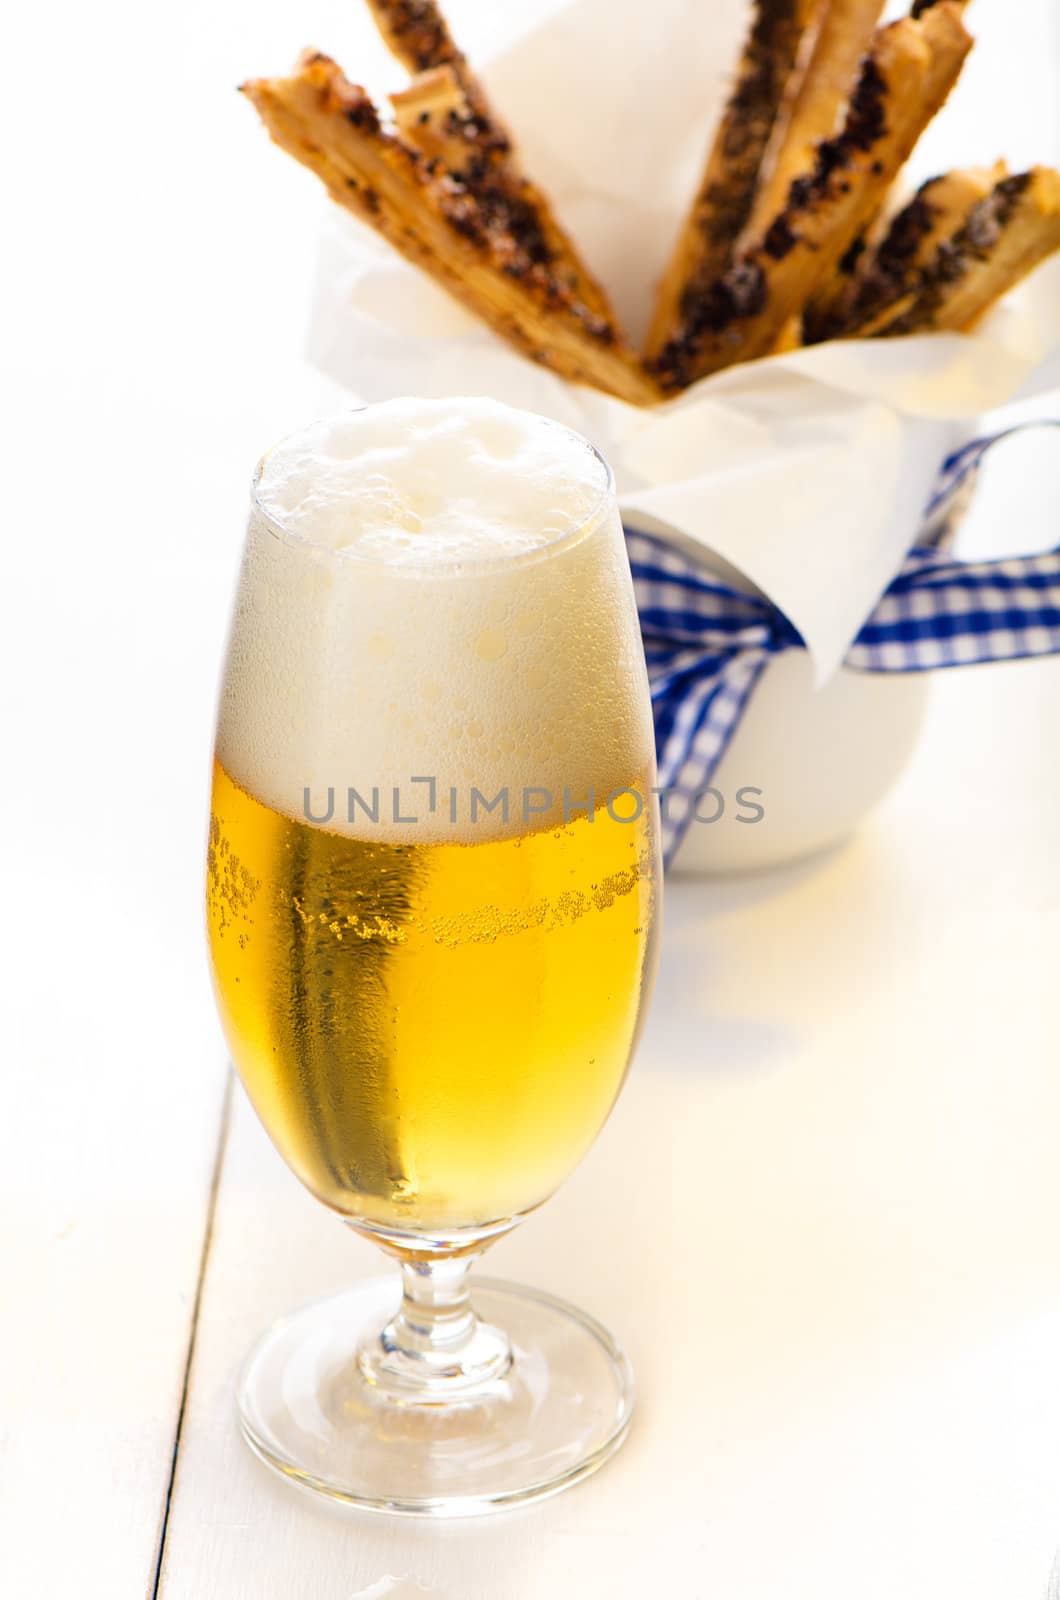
(432, 1034)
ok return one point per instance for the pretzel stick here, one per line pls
(814, 104)
(416, 32)
(889, 275)
(1005, 236)
(435, 221)
(723, 202)
(903, 82)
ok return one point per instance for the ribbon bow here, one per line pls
(707, 644)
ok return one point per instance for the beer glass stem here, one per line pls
(435, 1348)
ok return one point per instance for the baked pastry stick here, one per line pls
(813, 108)
(433, 114)
(416, 32)
(834, 290)
(435, 221)
(1005, 236)
(723, 202)
(888, 274)
(903, 82)
(789, 338)
(814, 104)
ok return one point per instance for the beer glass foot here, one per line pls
(553, 1414)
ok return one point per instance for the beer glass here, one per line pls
(433, 881)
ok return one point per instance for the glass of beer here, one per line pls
(433, 884)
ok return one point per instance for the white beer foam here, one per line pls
(434, 589)
(432, 482)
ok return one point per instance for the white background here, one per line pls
(824, 1218)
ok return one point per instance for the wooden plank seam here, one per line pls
(196, 1309)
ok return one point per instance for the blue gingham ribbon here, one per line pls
(707, 644)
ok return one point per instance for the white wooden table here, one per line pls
(825, 1218)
